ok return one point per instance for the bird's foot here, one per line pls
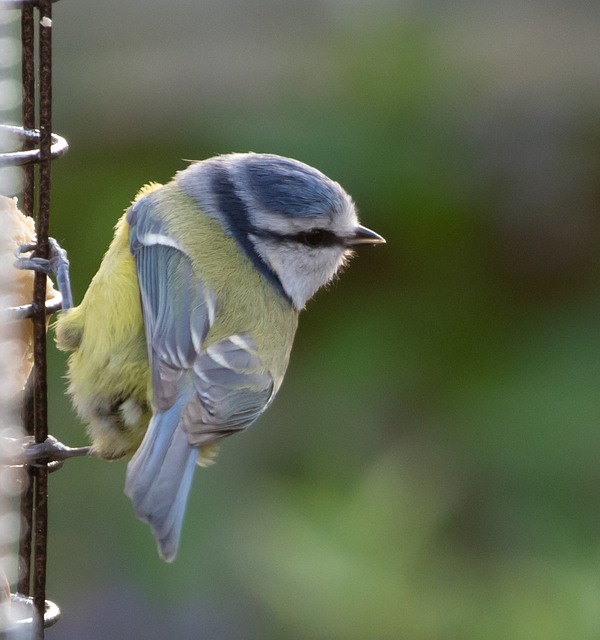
(50, 450)
(56, 264)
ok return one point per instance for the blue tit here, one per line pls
(184, 334)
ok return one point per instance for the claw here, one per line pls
(52, 450)
(57, 264)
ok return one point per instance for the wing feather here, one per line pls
(200, 394)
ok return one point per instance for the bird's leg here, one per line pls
(51, 449)
(57, 264)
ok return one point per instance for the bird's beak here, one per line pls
(362, 235)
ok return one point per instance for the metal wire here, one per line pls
(19, 134)
(38, 147)
(40, 493)
(28, 92)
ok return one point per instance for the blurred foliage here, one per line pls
(431, 467)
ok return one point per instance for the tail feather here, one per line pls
(159, 478)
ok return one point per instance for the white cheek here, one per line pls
(301, 270)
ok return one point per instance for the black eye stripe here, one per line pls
(314, 238)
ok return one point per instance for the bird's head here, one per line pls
(298, 226)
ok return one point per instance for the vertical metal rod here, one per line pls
(26, 533)
(39, 320)
(28, 98)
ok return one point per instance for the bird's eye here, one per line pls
(314, 238)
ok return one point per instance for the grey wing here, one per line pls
(232, 390)
(178, 309)
(229, 385)
(200, 395)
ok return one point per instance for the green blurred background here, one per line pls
(431, 467)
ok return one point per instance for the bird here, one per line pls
(184, 334)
